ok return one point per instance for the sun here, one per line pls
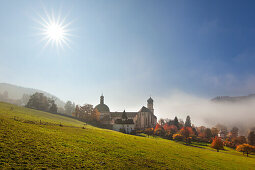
(54, 30)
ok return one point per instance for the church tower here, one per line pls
(150, 105)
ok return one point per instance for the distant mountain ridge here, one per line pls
(234, 98)
(16, 92)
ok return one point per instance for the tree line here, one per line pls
(39, 101)
(218, 136)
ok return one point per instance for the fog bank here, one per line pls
(205, 112)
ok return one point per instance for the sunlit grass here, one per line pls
(31, 145)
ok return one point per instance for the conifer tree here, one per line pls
(188, 122)
(176, 122)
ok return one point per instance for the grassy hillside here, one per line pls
(24, 142)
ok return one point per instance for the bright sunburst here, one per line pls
(54, 30)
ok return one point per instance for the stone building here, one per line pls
(142, 119)
(124, 124)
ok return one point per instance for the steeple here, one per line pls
(150, 105)
(102, 99)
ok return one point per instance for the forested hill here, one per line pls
(250, 97)
(16, 92)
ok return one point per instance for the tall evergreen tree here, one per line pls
(188, 122)
(176, 122)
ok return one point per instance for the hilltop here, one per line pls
(36, 139)
(16, 92)
(250, 97)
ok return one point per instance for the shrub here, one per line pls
(201, 139)
(193, 137)
(148, 131)
(159, 132)
(169, 135)
(178, 137)
(133, 132)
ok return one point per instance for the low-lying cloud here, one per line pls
(205, 112)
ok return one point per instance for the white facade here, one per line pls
(127, 127)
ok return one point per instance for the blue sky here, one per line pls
(130, 50)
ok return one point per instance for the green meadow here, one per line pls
(35, 139)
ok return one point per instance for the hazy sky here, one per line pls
(132, 49)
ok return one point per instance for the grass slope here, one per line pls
(25, 143)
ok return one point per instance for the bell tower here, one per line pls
(150, 105)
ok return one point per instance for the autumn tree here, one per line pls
(186, 132)
(245, 148)
(157, 126)
(217, 144)
(95, 115)
(200, 131)
(188, 122)
(86, 111)
(170, 128)
(159, 130)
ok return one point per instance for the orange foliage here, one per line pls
(178, 137)
(217, 144)
(95, 115)
(157, 127)
(170, 128)
(245, 148)
(229, 144)
(186, 131)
